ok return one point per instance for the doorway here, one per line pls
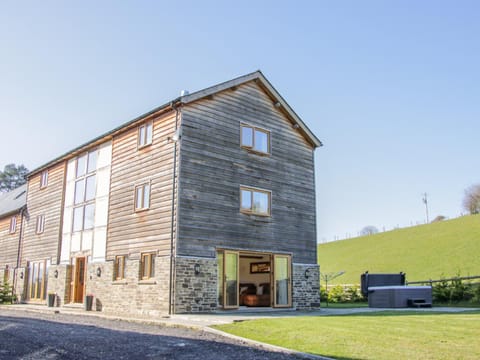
(253, 279)
(79, 280)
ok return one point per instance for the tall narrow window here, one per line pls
(85, 192)
(119, 268)
(40, 225)
(13, 224)
(255, 201)
(44, 179)
(142, 197)
(145, 133)
(147, 266)
(255, 139)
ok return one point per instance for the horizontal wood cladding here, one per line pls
(131, 232)
(47, 201)
(213, 166)
(9, 242)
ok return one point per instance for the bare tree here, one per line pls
(471, 200)
(369, 230)
(12, 177)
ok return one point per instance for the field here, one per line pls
(432, 251)
(383, 335)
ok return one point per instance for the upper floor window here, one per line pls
(85, 191)
(119, 268)
(147, 266)
(255, 201)
(44, 179)
(255, 139)
(142, 197)
(13, 224)
(145, 132)
(40, 225)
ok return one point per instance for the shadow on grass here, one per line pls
(381, 313)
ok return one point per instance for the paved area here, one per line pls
(40, 332)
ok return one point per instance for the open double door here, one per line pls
(229, 279)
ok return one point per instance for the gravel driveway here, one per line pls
(58, 336)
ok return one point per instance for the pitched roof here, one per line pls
(256, 76)
(13, 201)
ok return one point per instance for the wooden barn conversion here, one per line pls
(203, 204)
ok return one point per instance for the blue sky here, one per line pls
(390, 87)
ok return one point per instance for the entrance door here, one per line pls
(281, 281)
(230, 282)
(79, 281)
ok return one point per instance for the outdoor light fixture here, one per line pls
(99, 271)
(196, 268)
(55, 273)
(21, 275)
(307, 273)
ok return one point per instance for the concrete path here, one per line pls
(201, 321)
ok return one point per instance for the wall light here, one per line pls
(196, 268)
(307, 273)
(21, 275)
(55, 273)
(99, 271)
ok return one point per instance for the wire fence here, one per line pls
(430, 281)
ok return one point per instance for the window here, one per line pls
(119, 268)
(255, 201)
(44, 179)
(40, 226)
(13, 224)
(85, 192)
(145, 132)
(142, 197)
(147, 266)
(6, 274)
(37, 280)
(255, 139)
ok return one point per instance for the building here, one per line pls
(204, 203)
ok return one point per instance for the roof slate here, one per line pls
(13, 200)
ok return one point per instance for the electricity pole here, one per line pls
(425, 201)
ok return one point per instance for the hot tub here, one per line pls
(397, 296)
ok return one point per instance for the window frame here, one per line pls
(119, 268)
(253, 190)
(147, 266)
(252, 147)
(40, 224)
(143, 140)
(44, 179)
(143, 186)
(88, 160)
(13, 225)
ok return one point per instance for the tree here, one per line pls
(369, 230)
(12, 177)
(471, 200)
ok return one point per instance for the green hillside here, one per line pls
(422, 252)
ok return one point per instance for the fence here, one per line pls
(430, 281)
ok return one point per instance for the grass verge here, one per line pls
(382, 335)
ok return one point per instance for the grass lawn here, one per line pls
(382, 335)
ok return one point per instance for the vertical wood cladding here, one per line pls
(9, 242)
(213, 166)
(47, 201)
(130, 232)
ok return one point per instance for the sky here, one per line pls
(391, 88)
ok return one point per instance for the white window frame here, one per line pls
(145, 201)
(89, 171)
(44, 179)
(251, 210)
(145, 137)
(13, 224)
(252, 147)
(40, 224)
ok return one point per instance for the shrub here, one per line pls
(6, 296)
(336, 294)
(353, 294)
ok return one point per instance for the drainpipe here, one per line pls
(22, 215)
(171, 294)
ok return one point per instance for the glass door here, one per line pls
(282, 288)
(230, 282)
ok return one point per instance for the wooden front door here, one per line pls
(79, 280)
